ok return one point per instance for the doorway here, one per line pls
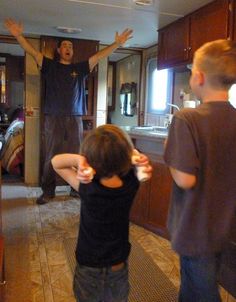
(12, 87)
(124, 71)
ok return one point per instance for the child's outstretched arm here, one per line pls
(67, 166)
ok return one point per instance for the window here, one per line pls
(159, 88)
(232, 95)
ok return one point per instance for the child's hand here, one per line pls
(144, 169)
(85, 173)
(140, 159)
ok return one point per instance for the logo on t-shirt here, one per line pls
(74, 74)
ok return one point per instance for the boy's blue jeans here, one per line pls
(199, 279)
(101, 284)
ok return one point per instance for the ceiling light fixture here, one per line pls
(68, 30)
(143, 2)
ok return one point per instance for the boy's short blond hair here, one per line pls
(217, 59)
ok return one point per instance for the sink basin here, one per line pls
(160, 129)
(148, 128)
(152, 130)
(159, 133)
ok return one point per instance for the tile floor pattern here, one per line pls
(36, 264)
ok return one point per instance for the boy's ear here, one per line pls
(201, 78)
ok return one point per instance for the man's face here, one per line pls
(65, 51)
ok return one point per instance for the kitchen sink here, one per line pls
(152, 130)
(148, 128)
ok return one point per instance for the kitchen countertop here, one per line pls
(152, 132)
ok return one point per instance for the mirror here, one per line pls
(123, 87)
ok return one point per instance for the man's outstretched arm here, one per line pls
(119, 41)
(16, 30)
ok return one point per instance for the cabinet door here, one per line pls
(160, 189)
(14, 72)
(84, 49)
(173, 44)
(138, 212)
(209, 23)
(232, 20)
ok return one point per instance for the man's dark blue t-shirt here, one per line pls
(65, 87)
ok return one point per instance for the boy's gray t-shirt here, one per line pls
(202, 142)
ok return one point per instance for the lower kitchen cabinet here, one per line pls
(2, 277)
(159, 197)
(150, 208)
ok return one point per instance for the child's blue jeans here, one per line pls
(101, 284)
(199, 279)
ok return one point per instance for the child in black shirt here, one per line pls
(103, 244)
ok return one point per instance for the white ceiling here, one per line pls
(99, 20)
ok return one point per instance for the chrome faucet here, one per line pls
(169, 116)
(174, 106)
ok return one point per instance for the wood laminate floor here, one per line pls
(35, 259)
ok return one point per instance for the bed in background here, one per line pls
(12, 152)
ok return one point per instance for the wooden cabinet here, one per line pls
(179, 40)
(173, 43)
(232, 23)
(159, 197)
(83, 49)
(150, 208)
(208, 24)
(2, 277)
(227, 275)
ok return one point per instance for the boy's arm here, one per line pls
(119, 41)
(183, 180)
(67, 166)
(16, 30)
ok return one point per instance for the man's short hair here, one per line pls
(60, 40)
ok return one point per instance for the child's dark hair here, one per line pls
(108, 150)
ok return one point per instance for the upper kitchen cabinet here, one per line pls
(208, 24)
(173, 43)
(83, 50)
(233, 20)
(179, 40)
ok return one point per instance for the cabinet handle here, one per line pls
(185, 49)
(189, 48)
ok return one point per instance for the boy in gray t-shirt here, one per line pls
(200, 152)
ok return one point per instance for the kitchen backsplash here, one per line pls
(155, 119)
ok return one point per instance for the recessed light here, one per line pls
(68, 30)
(143, 2)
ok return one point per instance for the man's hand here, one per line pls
(123, 37)
(16, 29)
